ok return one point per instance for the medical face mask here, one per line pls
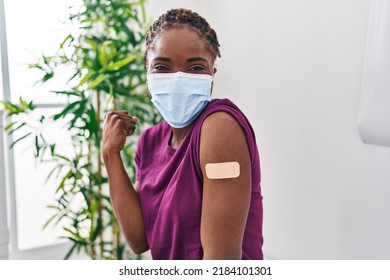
(180, 97)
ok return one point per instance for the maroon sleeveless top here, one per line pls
(171, 184)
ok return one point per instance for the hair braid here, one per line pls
(182, 17)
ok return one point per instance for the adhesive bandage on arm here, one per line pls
(223, 170)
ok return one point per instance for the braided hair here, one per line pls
(184, 17)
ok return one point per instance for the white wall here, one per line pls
(295, 69)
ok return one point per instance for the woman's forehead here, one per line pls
(180, 41)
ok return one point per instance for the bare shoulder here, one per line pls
(222, 138)
(219, 120)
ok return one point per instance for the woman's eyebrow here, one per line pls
(161, 58)
(197, 58)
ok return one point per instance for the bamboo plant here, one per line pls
(104, 53)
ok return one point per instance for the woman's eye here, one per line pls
(161, 67)
(197, 68)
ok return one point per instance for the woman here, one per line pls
(197, 190)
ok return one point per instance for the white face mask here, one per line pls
(180, 97)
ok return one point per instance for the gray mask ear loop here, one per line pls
(212, 82)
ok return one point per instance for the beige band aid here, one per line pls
(223, 170)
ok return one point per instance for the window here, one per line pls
(33, 28)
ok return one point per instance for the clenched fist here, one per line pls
(117, 126)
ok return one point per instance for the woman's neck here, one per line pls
(178, 135)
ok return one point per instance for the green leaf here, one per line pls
(67, 109)
(87, 76)
(59, 219)
(12, 109)
(98, 229)
(70, 252)
(62, 183)
(92, 125)
(53, 207)
(121, 63)
(23, 103)
(9, 126)
(47, 76)
(49, 221)
(62, 157)
(106, 52)
(97, 81)
(91, 42)
(73, 76)
(65, 40)
(21, 138)
(42, 119)
(66, 92)
(52, 148)
(102, 56)
(74, 234)
(119, 251)
(78, 113)
(84, 192)
(58, 168)
(37, 147)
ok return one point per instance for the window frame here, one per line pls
(55, 251)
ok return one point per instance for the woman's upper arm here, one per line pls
(225, 202)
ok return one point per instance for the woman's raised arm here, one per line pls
(117, 126)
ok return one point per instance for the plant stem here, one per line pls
(92, 249)
(113, 103)
(118, 239)
(91, 243)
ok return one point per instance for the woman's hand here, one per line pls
(117, 126)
